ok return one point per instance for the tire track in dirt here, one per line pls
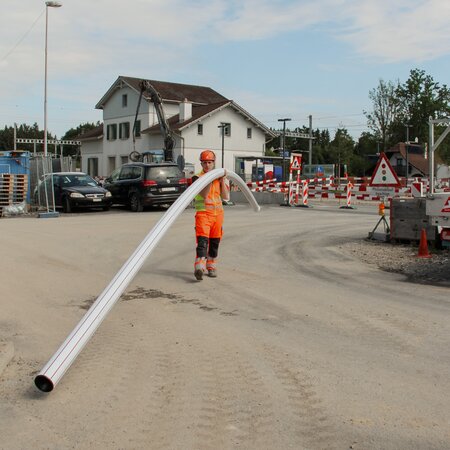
(233, 409)
(312, 427)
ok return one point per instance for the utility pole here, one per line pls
(223, 126)
(310, 142)
(407, 155)
(283, 145)
(49, 4)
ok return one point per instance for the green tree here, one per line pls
(321, 147)
(365, 154)
(342, 147)
(384, 110)
(418, 99)
(33, 132)
(23, 131)
(74, 134)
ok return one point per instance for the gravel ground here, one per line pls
(402, 258)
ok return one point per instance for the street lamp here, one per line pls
(47, 5)
(223, 126)
(406, 149)
(283, 146)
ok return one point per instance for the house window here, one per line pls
(249, 133)
(200, 129)
(124, 130)
(92, 167)
(123, 160)
(124, 100)
(226, 129)
(137, 128)
(111, 132)
(111, 163)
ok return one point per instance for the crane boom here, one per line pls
(169, 140)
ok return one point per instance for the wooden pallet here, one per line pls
(13, 189)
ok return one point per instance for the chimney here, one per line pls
(185, 110)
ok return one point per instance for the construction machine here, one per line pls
(168, 137)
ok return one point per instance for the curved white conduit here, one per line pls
(57, 366)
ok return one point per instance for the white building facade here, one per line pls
(196, 116)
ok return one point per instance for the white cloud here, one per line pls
(92, 42)
(399, 31)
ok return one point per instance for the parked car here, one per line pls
(72, 190)
(137, 185)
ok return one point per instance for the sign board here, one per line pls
(417, 189)
(438, 208)
(296, 163)
(445, 234)
(384, 175)
(382, 192)
(446, 208)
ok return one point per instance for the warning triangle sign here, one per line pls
(446, 208)
(296, 163)
(384, 174)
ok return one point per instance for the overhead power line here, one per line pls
(23, 37)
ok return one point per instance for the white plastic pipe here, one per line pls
(60, 362)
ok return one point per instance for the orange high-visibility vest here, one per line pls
(212, 203)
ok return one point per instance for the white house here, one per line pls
(195, 115)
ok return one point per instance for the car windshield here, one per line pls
(77, 180)
(163, 172)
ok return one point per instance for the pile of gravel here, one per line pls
(401, 258)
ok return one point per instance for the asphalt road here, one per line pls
(295, 345)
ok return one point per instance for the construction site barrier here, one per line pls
(336, 188)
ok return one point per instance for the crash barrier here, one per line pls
(60, 362)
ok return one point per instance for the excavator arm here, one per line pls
(169, 140)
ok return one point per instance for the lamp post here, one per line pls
(223, 126)
(283, 146)
(406, 149)
(47, 5)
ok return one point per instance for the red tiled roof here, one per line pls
(95, 133)
(197, 113)
(415, 155)
(170, 92)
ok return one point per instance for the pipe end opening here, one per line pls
(43, 383)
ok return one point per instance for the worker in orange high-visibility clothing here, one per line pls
(209, 218)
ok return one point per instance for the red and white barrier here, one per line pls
(305, 193)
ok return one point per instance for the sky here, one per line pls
(275, 58)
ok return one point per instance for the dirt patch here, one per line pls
(401, 258)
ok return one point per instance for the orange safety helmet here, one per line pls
(207, 155)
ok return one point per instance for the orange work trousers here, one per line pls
(208, 225)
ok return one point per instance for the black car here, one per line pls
(144, 184)
(72, 190)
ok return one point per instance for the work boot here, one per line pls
(199, 268)
(211, 268)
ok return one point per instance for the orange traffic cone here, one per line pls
(423, 245)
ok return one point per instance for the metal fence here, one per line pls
(41, 167)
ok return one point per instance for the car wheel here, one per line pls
(106, 208)
(136, 204)
(67, 207)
